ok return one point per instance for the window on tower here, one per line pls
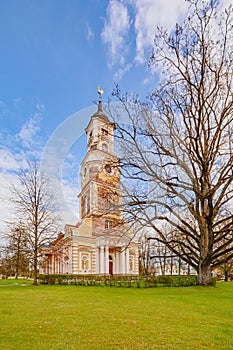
(90, 138)
(104, 132)
(108, 224)
(85, 204)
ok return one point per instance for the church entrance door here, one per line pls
(110, 265)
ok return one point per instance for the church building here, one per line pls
(101, 242)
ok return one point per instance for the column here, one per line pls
(136, 262)
(97, 263)
(116, 262)
(70, 260)
(122, 261)
(55, 264)
(52, 265)
(106, 260)
(101, 259)
(127, 260)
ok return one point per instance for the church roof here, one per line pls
(100, 114)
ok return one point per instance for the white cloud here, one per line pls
(28, 131)
(90, 34)
(28, 134)
(14, 150)
(132, 24)
(17, 101)
(8, 160)
(116, 28)
(149, 14)
(121, 71)
(4, 111)
(7, 212)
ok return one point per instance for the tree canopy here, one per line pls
(36, 209)
(177, 146)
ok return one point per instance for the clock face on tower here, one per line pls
(109, 169)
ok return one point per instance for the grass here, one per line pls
(14, 281)
(71, 317)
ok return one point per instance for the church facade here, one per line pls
(101, 242)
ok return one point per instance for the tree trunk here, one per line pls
(17, 264)
(226, 275)
(204, 268)
(35, 283)
(204, 275)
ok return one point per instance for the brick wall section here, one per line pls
(108, 200)
(98, 226)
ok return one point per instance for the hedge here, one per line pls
(120, 281)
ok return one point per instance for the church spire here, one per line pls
(100, 108)
(100, 92)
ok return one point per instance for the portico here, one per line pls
(117, 260)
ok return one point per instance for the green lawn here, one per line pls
(71, 317)
(14, 281)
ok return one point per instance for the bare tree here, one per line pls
(16, 249)
(177, 148)
(37, 210)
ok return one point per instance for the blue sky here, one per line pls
(54, 53)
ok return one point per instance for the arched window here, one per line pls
(131, 263)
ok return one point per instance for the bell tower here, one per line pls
(100, 196)
(100, 132)
(100, 243)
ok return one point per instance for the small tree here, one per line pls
(177, 148)
(37, 209)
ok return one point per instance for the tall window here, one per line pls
(131, 263)
(85, 263)
(85, 204)
(108, 224)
